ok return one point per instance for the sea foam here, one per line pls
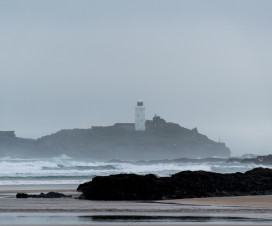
(65, 170)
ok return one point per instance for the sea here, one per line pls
(66, 170)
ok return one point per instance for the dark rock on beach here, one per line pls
(122, 187)
(21, 196)
(42, 195)
(186, 184)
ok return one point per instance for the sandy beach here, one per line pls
(249, 210)
(249, 201)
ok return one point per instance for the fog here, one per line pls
(74, 64)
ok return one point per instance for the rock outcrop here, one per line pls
(42, 195)
(186, 184)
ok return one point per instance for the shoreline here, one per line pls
(217, 211)
(243, 201)
(248, 200)
(10, 191)
(37, 186)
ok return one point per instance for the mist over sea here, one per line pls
(66, 170)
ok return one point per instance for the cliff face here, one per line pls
(161, 140)
(12, 146)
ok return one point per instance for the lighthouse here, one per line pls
(140, 116)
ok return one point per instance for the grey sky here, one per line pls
(73, 64)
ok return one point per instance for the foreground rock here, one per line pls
(42, 195)
(186, 184)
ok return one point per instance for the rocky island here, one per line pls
(159, 140)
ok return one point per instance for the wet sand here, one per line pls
(68, 211)
(250, 201)
(245, 210)
(37, 188)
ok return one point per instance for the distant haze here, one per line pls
(74, 64)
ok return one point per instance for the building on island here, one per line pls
(140, 116)
(126, 126)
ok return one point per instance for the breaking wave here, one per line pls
(66, 170)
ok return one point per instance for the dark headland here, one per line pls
(160, 140)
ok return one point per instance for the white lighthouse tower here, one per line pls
(140, 116)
